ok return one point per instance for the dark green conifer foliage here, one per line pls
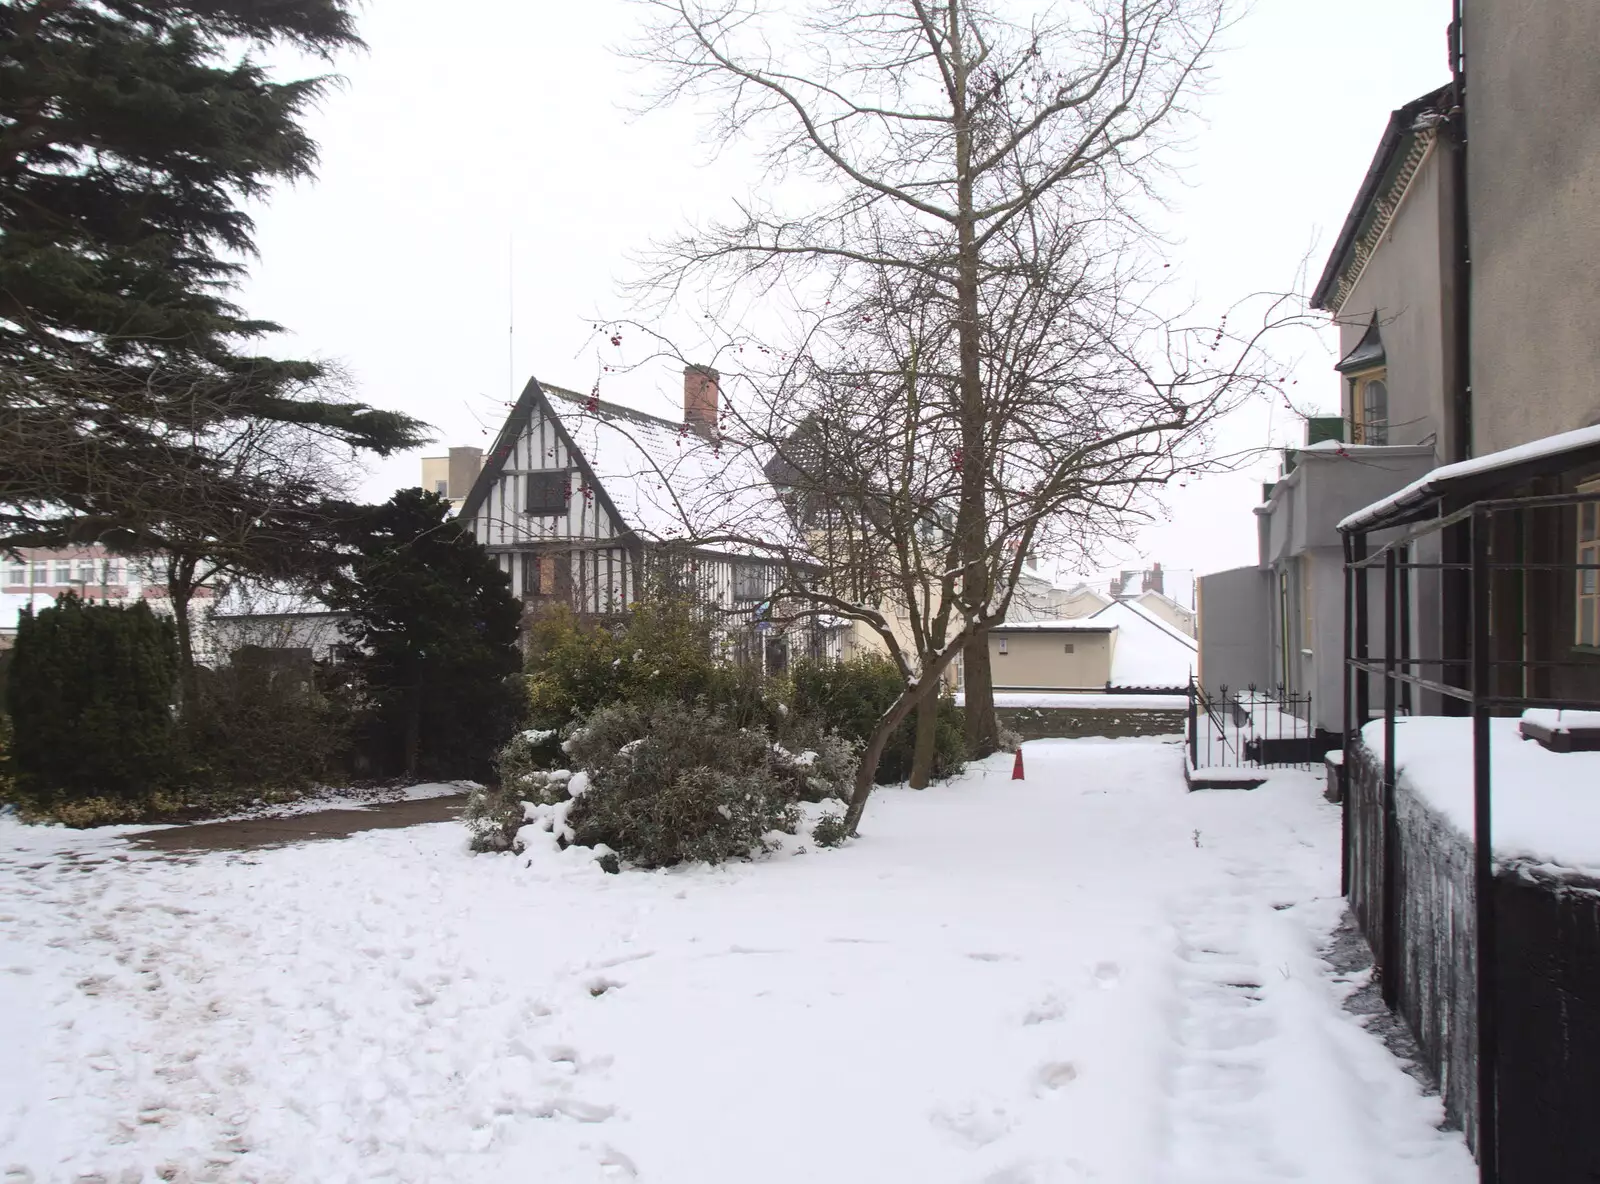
(90, 694)
(437, 626)
(131, 134)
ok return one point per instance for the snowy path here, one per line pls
(1091, 975)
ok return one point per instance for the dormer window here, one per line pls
(1366, 370)
(1369, 401)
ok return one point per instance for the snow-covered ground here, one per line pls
(1091, 975)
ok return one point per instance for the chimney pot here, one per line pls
(701, 390)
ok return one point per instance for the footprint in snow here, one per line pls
(972, 1125)
(992, 957)
(1051, 1007)
(614, 1163)
(1053, 1075)
(1107, 975)
(600, 985)
(575, 1109)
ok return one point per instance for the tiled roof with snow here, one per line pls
(667, 482)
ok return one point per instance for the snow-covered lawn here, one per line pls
(1090, 975)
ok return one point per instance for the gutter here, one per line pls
(1456, 125)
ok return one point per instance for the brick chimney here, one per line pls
(700, 391)
(1154, 581)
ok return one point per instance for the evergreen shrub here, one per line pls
(261, 724)
(851, 696)
(90, 692)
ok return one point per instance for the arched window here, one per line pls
(1374, 410)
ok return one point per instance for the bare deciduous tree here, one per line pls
(951, 145)
(860, 422)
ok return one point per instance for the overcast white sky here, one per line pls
(468, 127)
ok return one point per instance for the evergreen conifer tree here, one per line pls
(131, 134)
(436, 626)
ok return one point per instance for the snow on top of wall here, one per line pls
(668, 482)
(1561, 720)
(1487, 463)
(1546, 804)
(1148, 652)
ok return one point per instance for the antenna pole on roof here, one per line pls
(511, 316)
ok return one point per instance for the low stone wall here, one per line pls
(1071, 723)
(1548, 978)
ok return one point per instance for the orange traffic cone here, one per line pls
(1016, 766)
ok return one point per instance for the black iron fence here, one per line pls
(1519, 587)
(1252, 728)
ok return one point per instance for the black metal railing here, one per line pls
(1251, 728)
(1506, 566)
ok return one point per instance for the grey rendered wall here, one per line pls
(1406, 284)
(1234, 635)
(1534, 192)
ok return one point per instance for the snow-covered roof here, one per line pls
(1148, 651)
(272, 602)
(1063, 625)
(663, 481)
(12, 604)
(1165, 599)
(666, 481)
(1425, 489)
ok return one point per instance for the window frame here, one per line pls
(1586, 584)
(1362, 422)
(550, 480)
(750, 582)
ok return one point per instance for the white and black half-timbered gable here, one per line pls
(580, 499)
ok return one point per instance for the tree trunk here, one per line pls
(983, 735)
(413, 740)
(180, 590)
(982, 725)
(889, 721)
(927, 735)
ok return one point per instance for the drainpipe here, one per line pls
(1455, 635)
(1461, 396)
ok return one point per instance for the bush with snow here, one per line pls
(829, 830)
(494, 814)
(669, 783)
